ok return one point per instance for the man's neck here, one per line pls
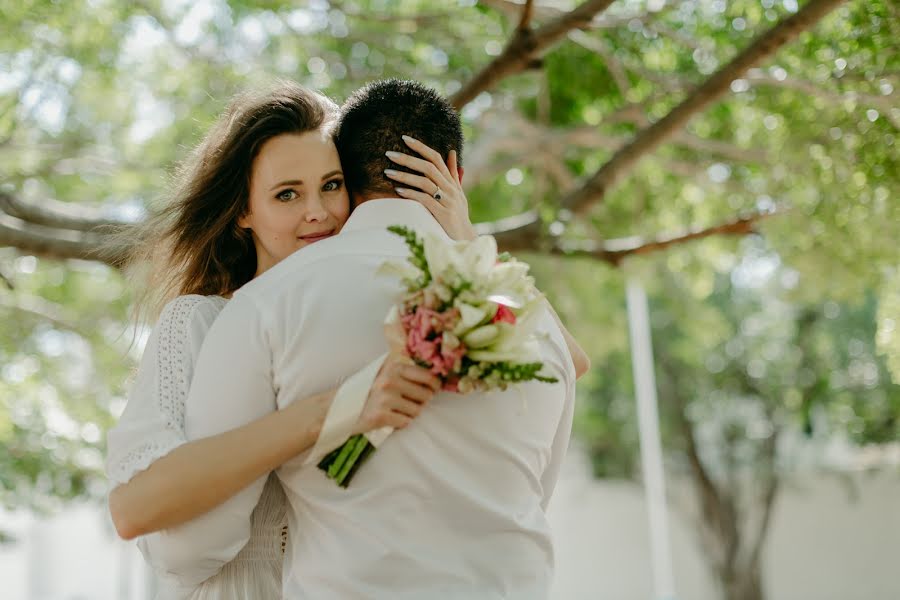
(382, 212)
(361, 198)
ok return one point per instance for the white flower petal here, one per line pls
(482, 337)
(470, 316)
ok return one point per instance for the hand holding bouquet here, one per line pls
(467, 314)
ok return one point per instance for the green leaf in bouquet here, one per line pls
(417, 250)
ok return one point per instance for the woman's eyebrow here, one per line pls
(287, 182)
(332, 174)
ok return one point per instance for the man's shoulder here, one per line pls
(315, 261)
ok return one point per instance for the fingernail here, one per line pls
(390, 172)
(406, 138)
(391, 154)
(401, 191)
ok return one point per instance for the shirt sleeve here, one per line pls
(232, 386)
(558, 360)
(152, 424)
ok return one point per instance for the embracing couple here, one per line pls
(265, 266)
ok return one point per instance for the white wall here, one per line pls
(824, 545)
(827, 542)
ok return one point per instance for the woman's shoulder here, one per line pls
(191, 313)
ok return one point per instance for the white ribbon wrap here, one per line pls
(345, 409)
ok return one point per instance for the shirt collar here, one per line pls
(381, 213)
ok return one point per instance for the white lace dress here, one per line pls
(151, 426)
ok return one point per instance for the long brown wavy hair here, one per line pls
(193, 245)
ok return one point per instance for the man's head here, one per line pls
(372, 122)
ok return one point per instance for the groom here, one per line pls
(451, 507)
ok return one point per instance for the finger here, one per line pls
(433, 206)
(407, 407)
(421, 166)
(421, 376)
(432, 155)
(414, 391)
(397, 420)
(453, 166)
(400, 359)
(395, 363)
(416, 181)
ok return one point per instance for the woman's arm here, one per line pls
(200, 475)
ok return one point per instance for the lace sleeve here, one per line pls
(152, 424)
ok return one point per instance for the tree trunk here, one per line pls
(731, 533)
(743, 583)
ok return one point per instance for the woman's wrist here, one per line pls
(308, 417)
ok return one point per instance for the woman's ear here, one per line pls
(243, 221)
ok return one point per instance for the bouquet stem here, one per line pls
(342, 463)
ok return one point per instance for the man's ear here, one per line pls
(460, 170)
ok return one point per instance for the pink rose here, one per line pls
(425, 323)
(419, 347)
(439, 366)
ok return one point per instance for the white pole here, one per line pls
(651, 447)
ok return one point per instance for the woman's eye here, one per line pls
(333, 185)
(286, 195)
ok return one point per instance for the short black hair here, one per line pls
(375, 117)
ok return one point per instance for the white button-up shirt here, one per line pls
(452, 506)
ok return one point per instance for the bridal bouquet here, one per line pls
(468, 314)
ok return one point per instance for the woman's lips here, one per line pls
(309, 239)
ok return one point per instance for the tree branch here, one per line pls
(770, 492)
(650, 138)
(711, 90)
(4, 278)
(512, 137)
(614, 251)
(884, 103)
(525, 47)
(59, 243)
(527, 13)
(56, 214)
(511, 9)
(44, 310)
(590, 137)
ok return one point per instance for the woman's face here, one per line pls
(297, 196)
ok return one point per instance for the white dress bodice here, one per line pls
(256, 571)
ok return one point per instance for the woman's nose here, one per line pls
(315, 209)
